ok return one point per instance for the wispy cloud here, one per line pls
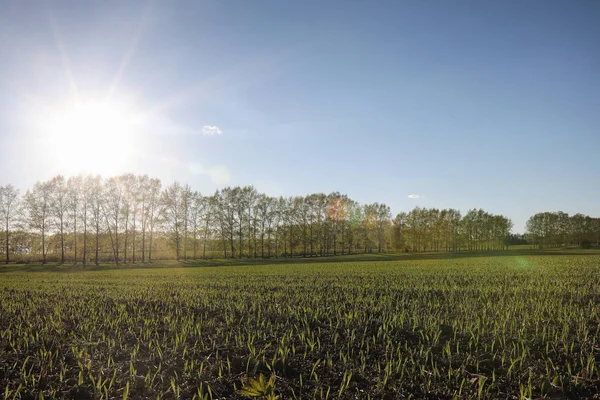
(219, 174)
(210, 130)
(414, 196)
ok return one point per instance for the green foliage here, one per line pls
(511, 326)
(557, 229)
(261, 388)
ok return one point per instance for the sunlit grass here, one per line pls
(485, 327)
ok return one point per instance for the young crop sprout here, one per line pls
(260, 388)
(473, 328)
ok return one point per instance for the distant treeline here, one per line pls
(129, 219)
(557, 229)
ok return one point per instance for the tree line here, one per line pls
(431, 229)
(133, 218)
(557, 229)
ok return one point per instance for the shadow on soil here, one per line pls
(353, 258)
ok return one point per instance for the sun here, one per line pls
(92, 137)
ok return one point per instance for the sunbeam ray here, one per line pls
(64, 57)
(131, 49)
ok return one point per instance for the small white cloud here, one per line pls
(219, 174)
(210, 130)
(414, 196)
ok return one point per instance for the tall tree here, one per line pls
(207, 218)
(135, 199)
(85, 199)
(143, 189)
(399, 231)
(174, 207)
(354, 224)
(369, 226)
(75, 193)
(384, 216)
(60, 208)
(196, 205)
(186, 207)
(217, 204)
(95, 189)
(112, 208)
(250, 196)
(154, 210)
(9, 211)
(38, 204)
(128, 184)
(227, 206)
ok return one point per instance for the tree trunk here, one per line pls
(343, 242)
(126, 238)
(262, 241)
(143, 244)
(250, 231)
(144, 222)
(334, 241)
(205, 238)
(254, 230)
(232, 245)
(97, 237)
(305, 244)
(62, 242)
(75, 234)
(117, 242)
(43, 244)
(150, 244)
(311, 239)
(85, 236)
(133, 241)
(7, 256)
(195, 243)
(241, 237)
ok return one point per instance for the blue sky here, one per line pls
(490, 104)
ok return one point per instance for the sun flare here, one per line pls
(92, 137)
